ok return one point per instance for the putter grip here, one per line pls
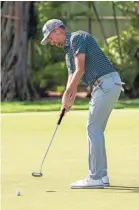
(61, 116)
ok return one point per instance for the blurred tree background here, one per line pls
(30, 71)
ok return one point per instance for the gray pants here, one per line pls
(104, 97)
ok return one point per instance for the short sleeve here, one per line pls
(78, 44)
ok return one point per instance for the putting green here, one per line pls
(24, 141)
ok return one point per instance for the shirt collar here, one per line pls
(68, 35)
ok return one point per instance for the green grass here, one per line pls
(25, 138)
(55, 105)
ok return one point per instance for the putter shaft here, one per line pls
(58, 123)
(48, 147)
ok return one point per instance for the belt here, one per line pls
(98, 81)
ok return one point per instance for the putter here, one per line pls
(39, 174)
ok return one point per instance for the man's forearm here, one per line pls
(75, 79)
(69, 80)
(79, 72)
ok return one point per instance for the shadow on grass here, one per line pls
(125, 188)
(119, 189)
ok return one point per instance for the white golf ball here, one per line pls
(18, 193)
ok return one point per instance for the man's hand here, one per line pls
(68, 98)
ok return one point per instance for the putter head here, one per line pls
(37, 174)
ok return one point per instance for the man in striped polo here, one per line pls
(87, 63)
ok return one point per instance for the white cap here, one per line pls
(50, 26)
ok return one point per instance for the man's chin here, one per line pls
(59, 45)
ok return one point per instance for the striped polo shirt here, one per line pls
(96, 63)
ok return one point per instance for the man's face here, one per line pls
(56, 38)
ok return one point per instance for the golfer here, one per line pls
(86, 63)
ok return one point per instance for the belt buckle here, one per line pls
(97, 82)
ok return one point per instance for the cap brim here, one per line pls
(44, 40)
